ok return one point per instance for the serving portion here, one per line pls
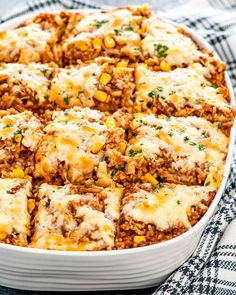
(114, 130)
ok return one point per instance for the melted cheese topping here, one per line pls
(75, 87)
(33, 76)
(180, 48)
(23, 123)
(119, 23)
(182, 86)
(70, 138)
(188, 141)
(13, 42)
(167, 207)
(14, 216)
(81, 228)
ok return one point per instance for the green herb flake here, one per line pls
(155, 92)
(18, 131)
(201, 147)
(207, 184)
(186, 138)
(159, 127)
(117, 32)
(219, 125)
(193, 143)
(8, 126)
(133, 153)
(214, 86)
(178, 202)
(99, 23)
(161, 185)
(66, 100)
(161, 50)
(114, 171)
(170, 133)
(9, 192)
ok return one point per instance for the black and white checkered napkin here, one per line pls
(212, 268)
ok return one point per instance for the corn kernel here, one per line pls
(122, 64)
(97, 43)
(165, 66)
(3, 228)
(150, 178)
(104, 181)
(122, 147)
(97, 147)
(88, 129)
(102, 168)
(31, 205)
(82, 46)
(139, 239)
(100, 95)
(138, 115)
(18, 137)
(18, 173)
(3, 236)
(110, 122)
(105, 78)
(138, 108)
(162, 116)
(133, 125)
(109, 42)
(144, 65)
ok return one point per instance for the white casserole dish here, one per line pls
(36, 269)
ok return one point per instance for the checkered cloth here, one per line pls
(212, 268)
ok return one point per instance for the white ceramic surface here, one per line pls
(35, 269)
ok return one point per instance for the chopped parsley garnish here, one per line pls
(208, 183)
(129, 29)
(93, 74)
(172, 92)
(170, 133)
(193, 143)
(155, 92)
(161, 184)
(159, 127)
(186, 138)
(214, 86)
(8, 192)
(117, 32)
(178, 202)
(201, 147)
(114, 171)
(219, 125)
(8, 126)
(133, 153)
(66, 100)
(161, 50)
(66, 113)
(44, 71)
(214, 178)
(0, 137)
(18, 131)
(99, 23)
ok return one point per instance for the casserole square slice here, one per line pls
(30, 43)
(175, 149)
(15, 197)
(184, 92)
(20, 134)
(25, 86)
(114, 33)
(153, 214)
(76, 219)
(104, 84)
(81, 145)
(168, 45)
